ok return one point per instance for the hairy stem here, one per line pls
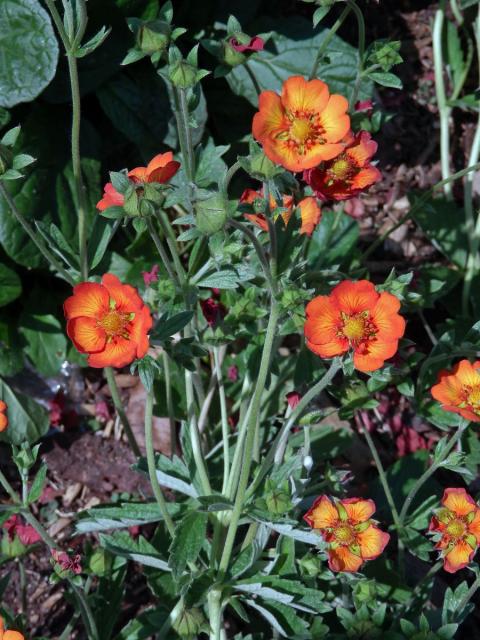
(161, 251)
(326, 41)
(224, 417)
(117, 403)
(443, 108)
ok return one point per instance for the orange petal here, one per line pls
(366, 177)
(322, 322)
(86, 335)
(449, 389)
(89, 299)
(3, 422)
(467, 373)
(372, 542)
(159, 161)
(375, 354)
(258, 220)
(250, 195)
(334, 119)
(358, 510)
(12, 635)
(363, 148)
(318, 153)
(458, 501)
(270, 117)
(117, 353)
(342, 559)
(322, 514)
(329, 349)
(3, 406)
(111, 198)
(474, 526)
(386, 318)
(139, 174)
(355, 297)
(299, 94)
(141, 325)
(125, 296)
(310, 214)
(459, 557)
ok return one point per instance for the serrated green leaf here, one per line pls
(46, 342)
(28, 421)
(187, 542)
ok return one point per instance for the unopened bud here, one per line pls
(154, 36)
(211, 214)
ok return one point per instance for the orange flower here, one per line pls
(302, 127)
(109, 321)
(9, 635)
(354, 316)
(310, 212)
(3, 416)
(459, 390)
(349, 173)
(347, 527)
(456, 527)
(160, 169)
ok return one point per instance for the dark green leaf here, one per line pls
(38, 484)
(187, 542)
(386, 79)
(10, 285)
(46, 342)
(28, 421)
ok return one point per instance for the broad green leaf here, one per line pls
(28, 51)
(27, 420)
(10, 285)
(139, 550)
(46, 342)
(294, 52)
(224, 279)
(333, 240)
(38, 484)
(188, 540)
(386, 79)
(128, 514)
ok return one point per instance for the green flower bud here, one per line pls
(211, 214)
(189, 622)
(6, 159)
(182, 74)
(12, 548)
(230, 56)
(155, 193)
(131, 204)
(259, 166)
(154, 36)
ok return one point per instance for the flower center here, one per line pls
(304, 130)
(354, 328)
(114, 323)
(340, 169)
(301, 130)
(344, 534)
(357, 328)
(473, 397)
(456, 528)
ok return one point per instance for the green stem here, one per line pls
(224, 416)
(152, 468)
(172, 244)
(161, 251)
(250, 436)
(328, 38)
(181, 134)
(296, 414)
(195, 435)
(169, 398)
(215, 613)
(117, 402)
(361, 50)
(188, 132)
(228, 177)
(416, 207)
(381, 473)
(443, 108)
(253, 78)
(76, 163)
(37, 241)
(9, 489)
(417, 591)
(259, 250)
(23, 589)
(429, 472)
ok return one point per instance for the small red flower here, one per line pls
(255, 44)
(3, 416)
(293, 398)
(232, 373)
(346, 525)
(25, 532)
(364, 106)
(160, 169)
(456, 526)
(459, 390)
(109, 321)
(213, 311)
(149, 277)
(66, 562)
(349, 173)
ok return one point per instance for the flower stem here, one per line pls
(161, 251)
(215, 613)
(294, 416)
(236, 166)
(326, 41)
(37, 241)
(469, 595)
(9, 489)
(253, 78)
(117, 402)
(250, 436)
(224, 416)
(443, 108)
(152, 468)
(165, 226)
(361, 50)
(259, 250)
(169, 398)
(429, 472)
(195, 435)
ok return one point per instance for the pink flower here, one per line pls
(293, 398)
(149, 277)
(364, 106)
(256, 44)
(232, 373)
(102, 412)
(25, 532)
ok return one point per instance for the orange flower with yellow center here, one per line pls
(160, 169)
(109, 321)
(9, 635)
(355, 317)
(456, 526)
(346, 525)
(302, 127)
(3, 416)
(310, 212)
(349, 173)
(459, 390)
